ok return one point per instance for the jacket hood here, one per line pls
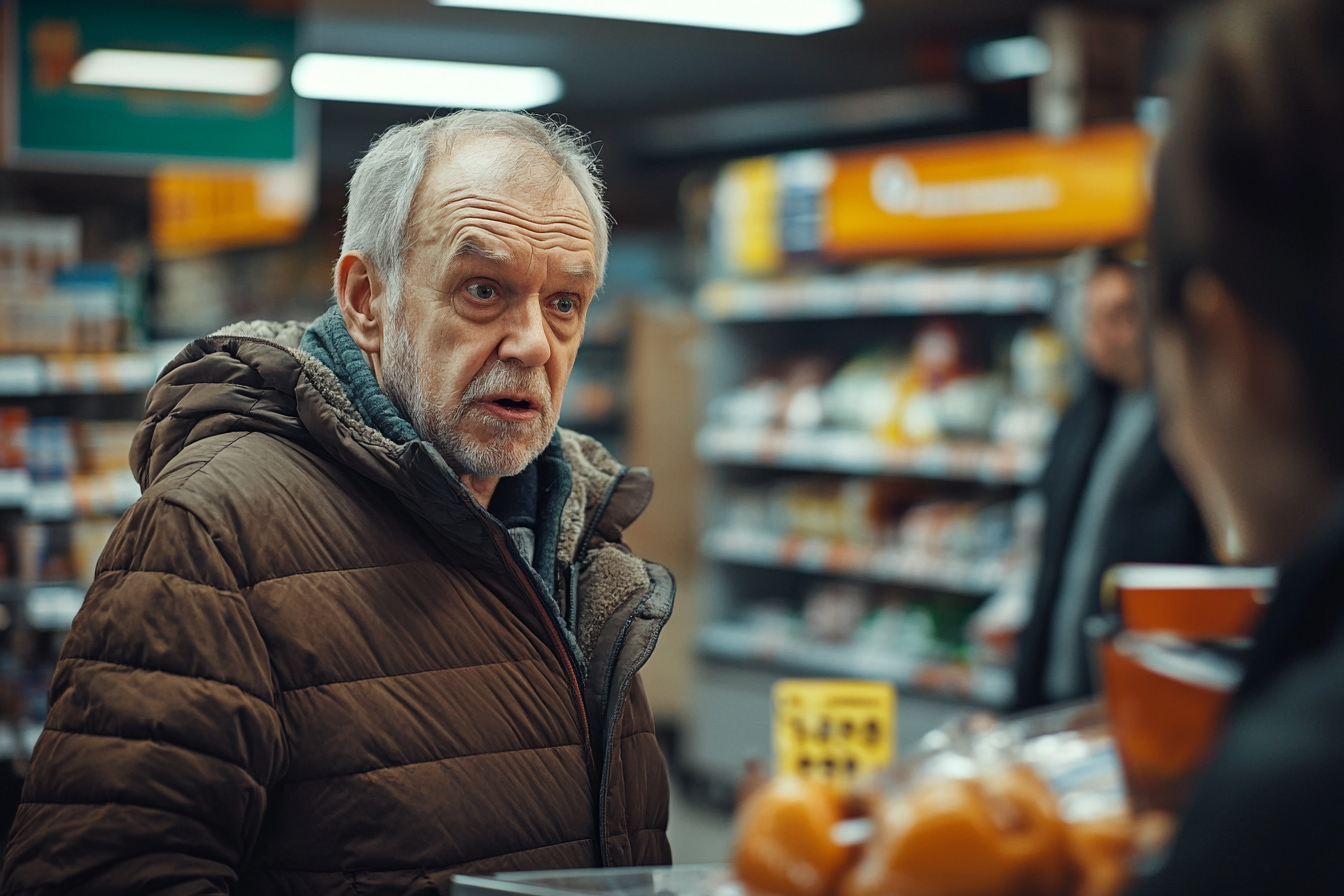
(253, 377)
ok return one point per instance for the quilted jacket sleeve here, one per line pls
(163, 736)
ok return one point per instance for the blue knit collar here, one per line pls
(328, 340)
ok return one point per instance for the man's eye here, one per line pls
(565, 306)
(482, 291)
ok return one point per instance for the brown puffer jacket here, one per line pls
(311, 663)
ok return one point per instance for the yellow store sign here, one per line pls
(833, 730)
(198, 210)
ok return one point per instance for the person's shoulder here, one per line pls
(244, 496)
(231, 464)
(240, 478)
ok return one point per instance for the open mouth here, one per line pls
(518, 404)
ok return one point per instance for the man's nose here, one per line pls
(525, 338)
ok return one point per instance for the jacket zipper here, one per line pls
(575, 687)
(609, 734)
(617, 693)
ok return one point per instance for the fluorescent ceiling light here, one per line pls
(424, 82)
(193, 72)
(1004, 60)
(768, 124)
(770, 16)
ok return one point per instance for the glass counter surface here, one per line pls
(675, 880)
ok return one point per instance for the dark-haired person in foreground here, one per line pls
(1248, 244)
(1111, 495)
(372, 622)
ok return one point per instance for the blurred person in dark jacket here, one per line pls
(1248, 350)
(1111, 494)
(372, 621)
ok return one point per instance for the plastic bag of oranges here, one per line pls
(1030, 807)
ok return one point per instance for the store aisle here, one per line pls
(698, 833)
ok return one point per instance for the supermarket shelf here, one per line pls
(963, 291)
(47, 606)
(889, 565)
(53, 607)
(97, 494)
(845, 451)
(15, 488)
(105, 374)
(740, 643)
(18, 739)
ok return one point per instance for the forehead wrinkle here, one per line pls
(452, 213)
(487, 206)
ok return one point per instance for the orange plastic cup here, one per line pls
(1166, 701)
(1197, 603)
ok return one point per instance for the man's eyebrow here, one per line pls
(582, 270)
(470, 247)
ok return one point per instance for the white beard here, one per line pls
(508, 446)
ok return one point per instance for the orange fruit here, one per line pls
(1101, 850)
(995, 835)
(784, 845)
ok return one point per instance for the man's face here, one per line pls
(1113, 337)
(498, 276)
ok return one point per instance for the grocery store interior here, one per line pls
(866, 256)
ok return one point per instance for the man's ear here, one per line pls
(359, 292)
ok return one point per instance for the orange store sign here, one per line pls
(999, 194)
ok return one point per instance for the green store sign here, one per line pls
(92, 127)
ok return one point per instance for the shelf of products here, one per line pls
(894, 565)
(872, 433)
(84, 374)
(881, 293)
(73, 373)
(842, 451)
(745, 643)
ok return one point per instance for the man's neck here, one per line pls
(482, 487)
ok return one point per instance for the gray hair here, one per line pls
(388, 177)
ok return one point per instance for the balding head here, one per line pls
(503, 147)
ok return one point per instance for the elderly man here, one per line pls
(372, 622)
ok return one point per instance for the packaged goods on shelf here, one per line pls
(33, 685)
(854, 630)
(79, 311)
(42, 553)
(49, 300)
(87, 540)
(885, 514)
(51, 448)
(32, 247)
(106, 493)
(104, 445)
(851, 509)
(925, 395)
(13, 437)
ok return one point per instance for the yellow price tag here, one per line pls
(832, 730)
